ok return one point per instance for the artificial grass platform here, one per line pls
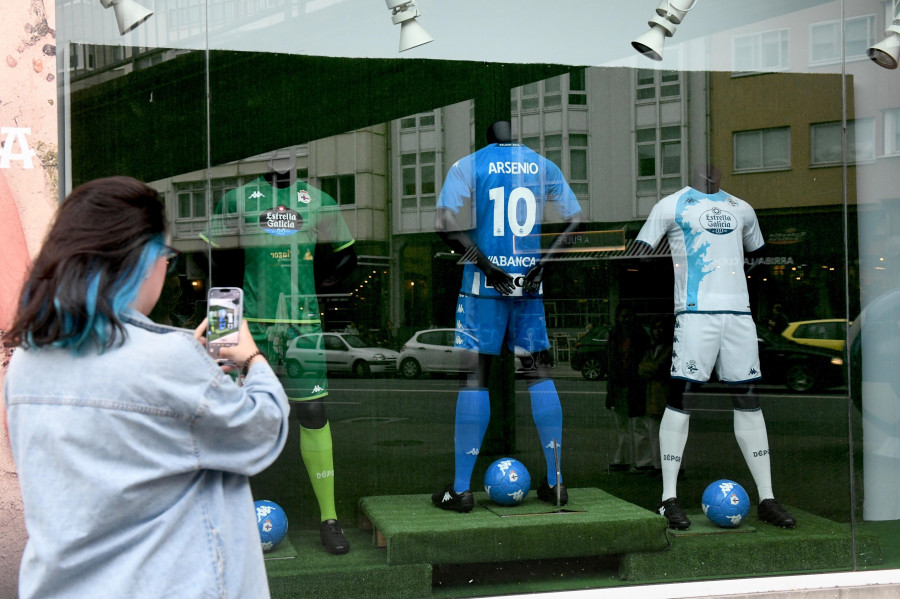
(816, 544)
(598, 541)
(593, 523)
(300, 567)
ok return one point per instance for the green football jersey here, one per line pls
(278, 229)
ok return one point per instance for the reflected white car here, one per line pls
(433, 351)
(337, 352)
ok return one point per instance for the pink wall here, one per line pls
(28, 199)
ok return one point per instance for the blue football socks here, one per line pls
(547, 413)
(473, 412)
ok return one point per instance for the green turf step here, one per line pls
(300, 567)
(593, 523)
(706, 551)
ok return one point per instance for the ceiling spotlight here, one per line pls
(886, 52)
(404, 13)
(129, 14)
(669, 13)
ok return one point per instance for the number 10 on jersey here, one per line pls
(511, 207)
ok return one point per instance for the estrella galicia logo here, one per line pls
(281, 221)
(691, 366)
(718, 221)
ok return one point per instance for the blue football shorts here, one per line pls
(485, 322)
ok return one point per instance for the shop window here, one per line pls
(765, 51)
(762, 149)
(825, 39)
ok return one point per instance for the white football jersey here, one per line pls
(708, 234)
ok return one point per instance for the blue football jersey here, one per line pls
(506, 186)
(708, 234)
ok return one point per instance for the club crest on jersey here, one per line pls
(281, 221)
(303, 196)
(718, 221)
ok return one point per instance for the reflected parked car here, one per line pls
(589, 355)
(802, 368)
(433, 351)
(830, 332)
(337, 352)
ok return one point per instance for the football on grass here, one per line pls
(272, 523)
(507, 481)
(726, 503)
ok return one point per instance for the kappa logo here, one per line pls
(674, 354)
(553, 444)
(473, 451)
(317, 389)
(256, 195)
(753, 372)
(460, 309)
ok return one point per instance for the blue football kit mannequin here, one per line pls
(505, 187)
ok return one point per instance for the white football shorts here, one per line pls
(725, 341)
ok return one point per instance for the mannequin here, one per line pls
(503, 296)
(277, 300)
(709, 231)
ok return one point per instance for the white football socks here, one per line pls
(750, 432)
(673, 434)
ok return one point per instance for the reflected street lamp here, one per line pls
(669, 13)
(129, 14)
(404, 13)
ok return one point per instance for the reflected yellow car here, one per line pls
(830, 332)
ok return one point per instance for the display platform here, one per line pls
(407, 548)
(754, 548)
(300, 567)
(593, 523)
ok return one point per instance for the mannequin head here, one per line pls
(499, 132)
(706, 178)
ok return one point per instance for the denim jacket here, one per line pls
(134, 467)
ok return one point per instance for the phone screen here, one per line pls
(225, 306)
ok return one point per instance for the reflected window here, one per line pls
(825, 142)
(578, 88)
(652, 84)
(342, 188)
(659, 154)
(578, 163)
(765, 51)
(892, 131)
(762, 149)
(418, 180)
(825, 39)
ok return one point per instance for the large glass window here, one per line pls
(207, 102)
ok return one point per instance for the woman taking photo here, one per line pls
(132, 446)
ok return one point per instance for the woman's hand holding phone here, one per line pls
(235, 356)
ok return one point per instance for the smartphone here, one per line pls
(224, 307)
